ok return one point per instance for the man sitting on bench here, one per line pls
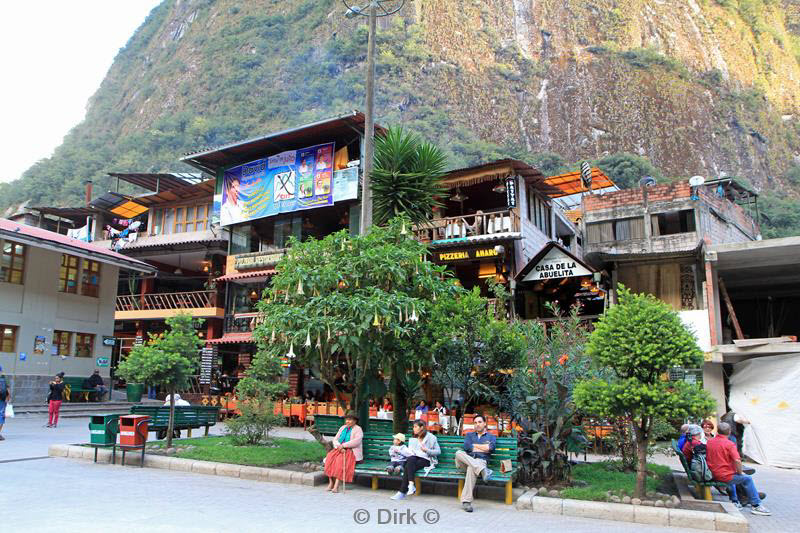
(478, 446)
(96, 382)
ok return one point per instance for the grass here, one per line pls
(220, 449)
(602, 477)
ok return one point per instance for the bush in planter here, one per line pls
(252, 427)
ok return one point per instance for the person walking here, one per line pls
(5, 399)
(478, 447)
(424, 450)
(54, 401)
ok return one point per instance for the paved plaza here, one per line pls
(55, 494)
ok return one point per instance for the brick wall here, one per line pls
(656, 194)
(717, 229)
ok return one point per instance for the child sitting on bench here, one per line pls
(397, 455)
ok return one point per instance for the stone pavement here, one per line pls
(87, 496)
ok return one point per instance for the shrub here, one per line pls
(252, 427)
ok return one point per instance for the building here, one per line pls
(57, 298)
(300, 182)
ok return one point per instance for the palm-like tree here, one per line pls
(406, 177)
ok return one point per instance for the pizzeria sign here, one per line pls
(466, 255)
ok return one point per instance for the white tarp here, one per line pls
(766, 391)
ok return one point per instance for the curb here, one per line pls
(255, 473)
(731, 520)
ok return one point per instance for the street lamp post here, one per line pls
(373, 9)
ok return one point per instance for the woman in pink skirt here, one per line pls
(340, 463)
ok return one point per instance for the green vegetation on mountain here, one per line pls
(635, 86)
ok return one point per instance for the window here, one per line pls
(63, 341)
(180, 219)
(673, 222)
(90, 278)
(538, 212)
(68, 278)
(12, 264)
(84, 342)
(8, 341)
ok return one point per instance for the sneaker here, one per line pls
(2, 437)
(486, 474)
(737, 505)
(398, 496)
(466, 506)
(48, 425)
(749, 471)
(761, 510)
(398, 470)
(412, 489)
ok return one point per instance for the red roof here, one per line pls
(246, 275)
(43, 238)
(229, 338)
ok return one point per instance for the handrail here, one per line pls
(167, 300)
(242, 322)
(468, 225)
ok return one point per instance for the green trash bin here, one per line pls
(103, 429)
(134, 391)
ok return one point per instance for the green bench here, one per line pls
(703, 488)
(329, 425)
(376, 458)
(74, 385)
(186, 417)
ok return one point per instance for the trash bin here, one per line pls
(134, 391)
(128, 433)
(103, 429)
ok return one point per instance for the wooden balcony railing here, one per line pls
(167, 300)
(472, 225)
(242, 322)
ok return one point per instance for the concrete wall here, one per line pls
(37, 308)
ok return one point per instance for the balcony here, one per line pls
(242, 322)
(465, 227)
(201, 304)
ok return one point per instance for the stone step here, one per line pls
(73, 410)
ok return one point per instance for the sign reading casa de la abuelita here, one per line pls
(557, 264)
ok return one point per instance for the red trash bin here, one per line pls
(133, 430)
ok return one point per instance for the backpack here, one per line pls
(699, 466)
(3, 389)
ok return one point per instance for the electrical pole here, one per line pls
(386, 7)
(369, 125)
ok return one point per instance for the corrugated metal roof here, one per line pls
(189, 237)
(212, 159)
(200, 190)
(159, 181)
(230, 338)
(247, 275)
(33, 236)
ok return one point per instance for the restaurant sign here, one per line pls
(557, 264)
(466, 255)
(256, 260)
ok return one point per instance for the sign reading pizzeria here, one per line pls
(256, 260)
(557, 264)
(466, 255)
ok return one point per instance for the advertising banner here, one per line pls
(285, 182)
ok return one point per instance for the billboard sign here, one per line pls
(285, 182)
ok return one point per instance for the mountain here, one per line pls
(671, 88)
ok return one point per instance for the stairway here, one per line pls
(80, 409)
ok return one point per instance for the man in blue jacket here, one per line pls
(478, 446)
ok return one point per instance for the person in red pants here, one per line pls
(54, 401)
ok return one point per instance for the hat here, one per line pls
(400, 437)
(351, 414)
(694, 429)
(96, 371)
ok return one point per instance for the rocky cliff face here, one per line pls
(697, 86)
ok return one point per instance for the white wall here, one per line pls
(38, 308)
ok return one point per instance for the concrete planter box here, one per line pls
(256, 473)
(729, 520)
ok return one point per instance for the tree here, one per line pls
(626, 169)
(405, 178)
(639, 340)
(350, 307)
(167, 359)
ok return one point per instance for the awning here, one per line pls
(118, 204)
(571, 183)
(231, 338)
(254, 276)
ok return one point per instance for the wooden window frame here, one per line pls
(4, 339)
(7, 275)
(88, 288)
(63, 274)
(57, 341)
(84, 340)
(179, 224)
